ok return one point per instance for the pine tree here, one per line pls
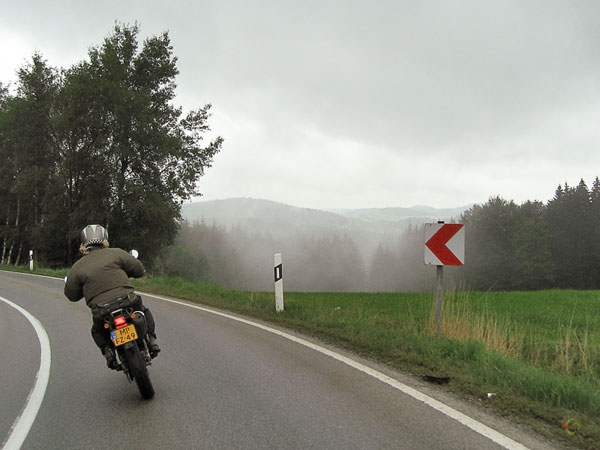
(570, 228)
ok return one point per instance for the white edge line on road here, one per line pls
(467, 421)
(23, 423)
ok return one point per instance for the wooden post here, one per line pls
(439, 300)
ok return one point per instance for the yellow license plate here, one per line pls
(124, 335)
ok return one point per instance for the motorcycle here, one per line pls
(129, 337)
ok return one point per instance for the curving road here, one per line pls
(220, 384)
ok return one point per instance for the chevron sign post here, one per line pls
(444, 246)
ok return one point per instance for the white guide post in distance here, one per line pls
(278, 272)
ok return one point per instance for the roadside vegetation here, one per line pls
(537, 352)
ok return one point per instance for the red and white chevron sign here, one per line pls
(444, 244)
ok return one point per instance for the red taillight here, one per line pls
(120, 322)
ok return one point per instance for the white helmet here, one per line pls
(93, 235)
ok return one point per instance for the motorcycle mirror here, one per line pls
(134, 253)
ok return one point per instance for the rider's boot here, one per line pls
(111, 360)
(153, 346)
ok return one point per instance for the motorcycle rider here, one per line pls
(102, 274)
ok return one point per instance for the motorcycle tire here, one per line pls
(139, 372)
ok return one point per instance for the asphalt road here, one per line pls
(220, 384)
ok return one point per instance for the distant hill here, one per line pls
(278, 219)
(397, 214)
(261, 215)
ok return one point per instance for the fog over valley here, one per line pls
(340, 250)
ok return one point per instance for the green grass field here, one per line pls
(539, 352)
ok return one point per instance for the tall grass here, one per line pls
(461, 322)
(569, 349)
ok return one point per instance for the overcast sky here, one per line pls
(354, 104)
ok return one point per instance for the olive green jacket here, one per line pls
(101, 275)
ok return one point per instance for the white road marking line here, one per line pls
(23, 423)
(467, 421)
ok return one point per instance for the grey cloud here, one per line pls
(432, 75)
(481, 84)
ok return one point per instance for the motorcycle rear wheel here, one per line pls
(139, 372)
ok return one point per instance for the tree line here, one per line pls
(98, 142)
(507, 247)
(535, 245)
(240, 259)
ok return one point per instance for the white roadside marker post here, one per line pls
(278, 272)
(30, 259)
